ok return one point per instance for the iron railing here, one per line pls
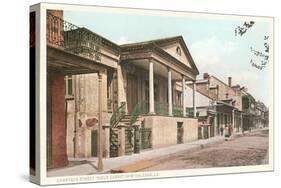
(140, 109)
(177, 110)
(189, 112)
(117, 115)
(69, 37)
(161, 108)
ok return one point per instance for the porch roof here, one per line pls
(70, 64)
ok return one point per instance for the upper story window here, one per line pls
(68, 87)
(178, 50)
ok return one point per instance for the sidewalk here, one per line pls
(87, 166)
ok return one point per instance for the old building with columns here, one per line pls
(110, 100)
(154, 77)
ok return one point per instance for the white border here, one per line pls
(138, 175)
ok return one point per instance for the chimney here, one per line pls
(229, 81)
(205, 76)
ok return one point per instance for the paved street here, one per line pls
(250, 149)
(88, 165)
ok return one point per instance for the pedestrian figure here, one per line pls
(226, 132)
(221, 130)
(230, 130)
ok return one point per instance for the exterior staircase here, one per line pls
(121, 120)
(129, 141)
(125, 120)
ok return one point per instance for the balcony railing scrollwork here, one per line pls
(71, 38)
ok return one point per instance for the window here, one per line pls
(178, 97)
(68, 86)
(178, 50)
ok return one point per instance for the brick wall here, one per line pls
(58, 131)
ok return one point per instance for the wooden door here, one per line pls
(132, 94)
(94, 143)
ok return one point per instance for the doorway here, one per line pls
(94, 144)
(132, 94)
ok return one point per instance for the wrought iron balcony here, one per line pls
(71, 38)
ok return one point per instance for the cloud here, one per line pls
(122, 40)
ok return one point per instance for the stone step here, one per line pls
(124, 120)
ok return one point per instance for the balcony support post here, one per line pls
(183, 97)
(151, 88)
(170, 92)
(194, 98)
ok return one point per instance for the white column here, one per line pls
(183, 96)
(170, 92)
(194, 98)
(100, 148)
(151, 88)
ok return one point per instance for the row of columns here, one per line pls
(170, 103)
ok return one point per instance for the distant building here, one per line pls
(261, 111)
(218, 105)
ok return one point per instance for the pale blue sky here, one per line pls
(212, 42)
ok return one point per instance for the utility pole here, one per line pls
(100, 163)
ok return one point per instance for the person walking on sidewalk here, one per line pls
(226, 132)
(221, 130)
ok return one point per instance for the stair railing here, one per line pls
(117, 115)
(135, 113)
(140, 108)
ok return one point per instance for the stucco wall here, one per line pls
(70, 127)
(87, 98)
(164, 130)
(172, 49)
(223, 89)
(200, 99)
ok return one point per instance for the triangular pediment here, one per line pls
(177, 48)
(174, 46)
